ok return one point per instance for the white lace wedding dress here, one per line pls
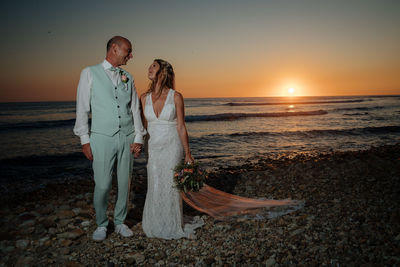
(162, 214)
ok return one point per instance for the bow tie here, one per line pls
(114, 69)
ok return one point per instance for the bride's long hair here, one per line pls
(165, 78)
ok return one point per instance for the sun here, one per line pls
(291, 90)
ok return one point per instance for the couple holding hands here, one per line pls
(117, 130)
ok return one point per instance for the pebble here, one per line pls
(397, 237)
(66, 243)
(74, 234)
(48, 223)
(22, 243)
(138, 258)
(27, 223)
(24, 261)
(76, 211)
(65, 214)
(85, 223)
(270, 262)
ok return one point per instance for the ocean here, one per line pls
(39, 147)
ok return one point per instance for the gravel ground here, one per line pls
(351, 218)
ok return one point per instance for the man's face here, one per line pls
(123, 52)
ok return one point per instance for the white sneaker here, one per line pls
(123, 230)
(100, 233)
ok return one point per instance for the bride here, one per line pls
(164, 118)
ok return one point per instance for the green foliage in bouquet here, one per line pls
(189, 177)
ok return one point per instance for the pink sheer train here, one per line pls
(221, 205)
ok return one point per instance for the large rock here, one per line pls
(22, 243)
(270, 262)
(74, 234)
(24, 261)
(46, 210)
(65, 214)
(48, 223)
(135, 258)
(27, 223)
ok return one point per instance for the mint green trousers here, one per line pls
(106, 150)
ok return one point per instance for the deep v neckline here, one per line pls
(162, 109)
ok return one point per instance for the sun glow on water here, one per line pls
(290, 108)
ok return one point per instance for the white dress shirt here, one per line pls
(81, 128)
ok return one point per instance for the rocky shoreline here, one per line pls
(351, 218)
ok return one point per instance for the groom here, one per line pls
(109, 94)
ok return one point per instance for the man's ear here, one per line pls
(114, 48)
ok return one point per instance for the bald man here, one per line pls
(108, 93)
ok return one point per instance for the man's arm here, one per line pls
(81, 127)
(140, 131)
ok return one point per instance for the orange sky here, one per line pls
(223, 49)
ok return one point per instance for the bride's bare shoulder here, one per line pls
(178, 96)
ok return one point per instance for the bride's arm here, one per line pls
(181, 127)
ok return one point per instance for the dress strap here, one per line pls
(149, 103)
(171, 95)
(147, 98)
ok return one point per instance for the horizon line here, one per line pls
(369, 95)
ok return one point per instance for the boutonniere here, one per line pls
(124, 77)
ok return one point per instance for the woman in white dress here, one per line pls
(164, 118)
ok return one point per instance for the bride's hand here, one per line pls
(136, 148)
(189, 159)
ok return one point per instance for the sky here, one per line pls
(218, 48)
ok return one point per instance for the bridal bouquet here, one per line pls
(189, 177)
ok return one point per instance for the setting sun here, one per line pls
(291, 90)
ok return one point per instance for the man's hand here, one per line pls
(136, 148)
(87, 151)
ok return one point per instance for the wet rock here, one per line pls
(81, 204)
(27, 223)
(65, 214)
(397, 238)
(46, 210)
(72, 264)
(65, 251)
(85, 214)
(74, 234)
(52, 231)
(85, 223)
(209, 260)
(25, 216)
(24, 261)
(6, 236)
(76, 211)
(270, 262)
(137, 258)
(64, 222)
(22, 243)
(48, 223)
(66, 243)
(43, 240)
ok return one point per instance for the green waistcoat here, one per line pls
(110, 104)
